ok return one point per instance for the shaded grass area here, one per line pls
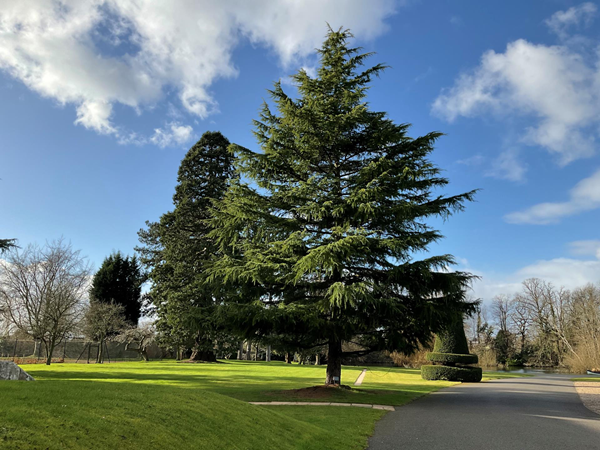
(163, 405)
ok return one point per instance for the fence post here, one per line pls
(15, 350)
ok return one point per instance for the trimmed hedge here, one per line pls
(452, 340)
(464, 374)
(451, 358)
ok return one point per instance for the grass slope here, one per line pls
(162, 405)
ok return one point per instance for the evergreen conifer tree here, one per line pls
(177, 248)
(327, 228)
(119, 280)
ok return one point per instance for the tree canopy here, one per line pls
(325, 223)
(119, 280)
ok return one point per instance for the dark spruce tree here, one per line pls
(177, 248)
(119, 280)
(326, 229)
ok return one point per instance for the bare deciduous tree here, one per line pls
(520, 319)
(501, 310)
(138, 339)
(103, 321)
(42, 291)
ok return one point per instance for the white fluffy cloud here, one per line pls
(585, 196)
(96, 53)
(174, 134)
(556, 86)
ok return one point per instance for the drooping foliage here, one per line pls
(177, 247)
(324, 224)
(119, 280)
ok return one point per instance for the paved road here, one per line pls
(542, 412)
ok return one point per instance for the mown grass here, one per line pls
(164, 405)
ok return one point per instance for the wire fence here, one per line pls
(82, 351)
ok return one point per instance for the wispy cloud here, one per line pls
(585, 196)
(508, 166)
(560, 22)
(586, 248)
(474, 160)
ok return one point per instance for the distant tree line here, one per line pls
(542, 325)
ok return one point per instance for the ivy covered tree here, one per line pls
(177, 247)
(119, 280)
(327, 220)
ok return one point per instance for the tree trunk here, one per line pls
(318, 359)
(200, 354)
(288, 358)
(240, 353)
(268, 354)
(49, 351)
(334, 363)
(248, 351)
(100, 356)
(203, 355)
(256, 353)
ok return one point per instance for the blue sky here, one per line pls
(99, 102)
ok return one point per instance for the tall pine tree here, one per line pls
(335, 212)
(177, 248)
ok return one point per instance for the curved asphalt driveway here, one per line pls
(541, 412)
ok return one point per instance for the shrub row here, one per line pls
(451, 358)
(465, 374)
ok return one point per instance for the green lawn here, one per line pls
(587, 380)
(163, 405)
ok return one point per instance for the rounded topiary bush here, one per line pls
(465, 374)
(451, 356)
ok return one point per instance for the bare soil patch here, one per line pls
(317, 392)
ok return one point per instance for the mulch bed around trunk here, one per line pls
(319, 392)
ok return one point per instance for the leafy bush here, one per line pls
(451, 358)
(464, 374)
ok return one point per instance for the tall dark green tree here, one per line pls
(332, 219)
(177, 248)
(119, 280)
